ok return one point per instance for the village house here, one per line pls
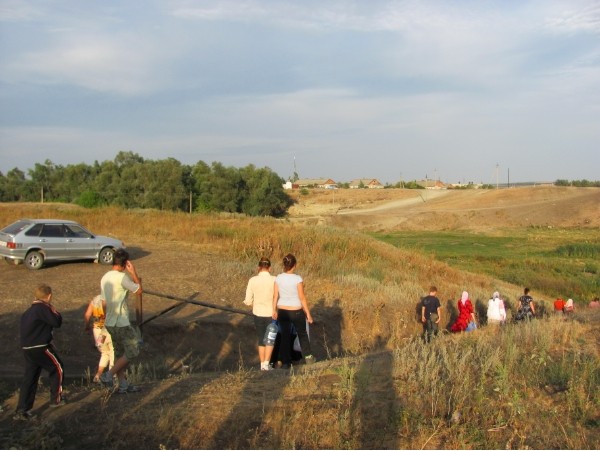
(431, 184)
(314, 183)
(365, 183)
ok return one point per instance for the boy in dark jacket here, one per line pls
(37, 324)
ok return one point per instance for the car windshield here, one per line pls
(16, 227)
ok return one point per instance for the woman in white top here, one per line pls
(259, 294)
(496, 313)
(290, 307)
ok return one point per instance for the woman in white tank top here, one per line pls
(291, 308)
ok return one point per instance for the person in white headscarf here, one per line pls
(496, 313)
(569, 307)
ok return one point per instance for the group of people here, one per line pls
(114, 336)
(282, 299)
(278, 299)
(467, 321)
(560, 306)
(274, 299)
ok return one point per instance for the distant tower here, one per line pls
(295, 176)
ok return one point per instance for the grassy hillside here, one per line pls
(376, 385)
(558, 262)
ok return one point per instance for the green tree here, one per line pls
(221, 189)
(163, 184)
(127, 158)
(14, 186)
(42, 178)
(200, 176)
(89, 199)
(71, 181)
(107, 182)
(265, 195)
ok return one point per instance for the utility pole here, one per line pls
(497, 166)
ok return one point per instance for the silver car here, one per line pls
(35, 241)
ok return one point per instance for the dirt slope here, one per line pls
(482, 210)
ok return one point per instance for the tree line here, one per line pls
(579, 183)
(131, 181)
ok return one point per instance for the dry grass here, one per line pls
(376, 385)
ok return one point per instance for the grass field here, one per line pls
(557, 262)
(376, 384)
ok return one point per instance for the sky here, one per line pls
(481, 91)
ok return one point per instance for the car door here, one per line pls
(80, 243)
(52, 241)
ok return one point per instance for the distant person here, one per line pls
(526, 308)
(116, 285)
(37, 325)
(595, 303)
(569, 307)
(431, 313)
(496, 312)
(259, 294)
(466, 314)
(291, 308)
(559, 305)
(95, 313)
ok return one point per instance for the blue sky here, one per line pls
(456, 90)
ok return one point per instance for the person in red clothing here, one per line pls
(37, 324)
(466, 314)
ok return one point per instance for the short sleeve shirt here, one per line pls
(287, 284)
(525, 301)
(431, 304)
(115, 286)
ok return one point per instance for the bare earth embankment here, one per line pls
(476, 210)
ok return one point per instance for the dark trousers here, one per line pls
(430, 327)
(36, 360)
(286, 318)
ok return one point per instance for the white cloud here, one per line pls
(571, 17)
(334, 81)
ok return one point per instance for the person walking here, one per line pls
(466, 314)
(431, 313)
(95, 313)
(496, 312)
(291, 308)
(259, 294)
(569, 307)
(115, 286)
(559, 306)
(526, 306)
(37, 325)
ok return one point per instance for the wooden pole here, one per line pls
(203, 304)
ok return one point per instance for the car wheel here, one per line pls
(34, 260)
(106, 256)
